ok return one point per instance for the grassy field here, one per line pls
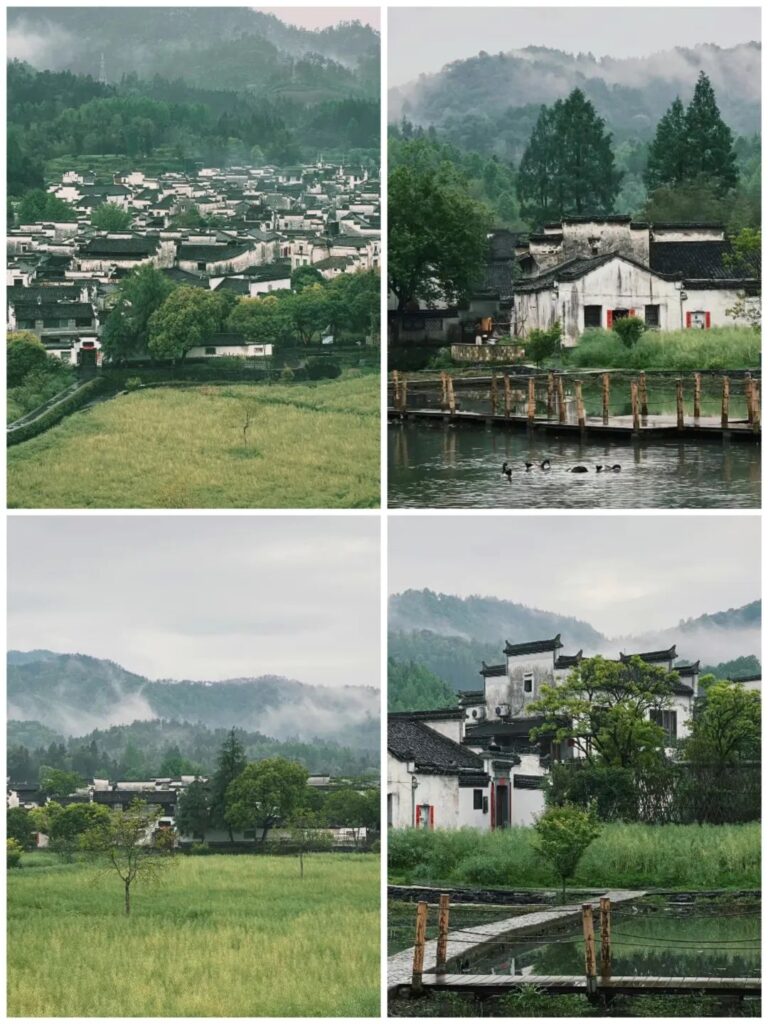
(307, 446)
(721, 348)
(685, 857)
(217, 937)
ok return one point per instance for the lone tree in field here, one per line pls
(267, 793)
(130, 845)
(563, 835)
(438, 234)
(307, 835)
(567, 168)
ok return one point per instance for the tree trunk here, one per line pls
(127, 897)
(301, 863)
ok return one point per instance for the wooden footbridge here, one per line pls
(540, 402)
(432, 966)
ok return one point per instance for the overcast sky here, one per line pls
(621, 574)
(201, 597)
(424, 39)
(321, 17)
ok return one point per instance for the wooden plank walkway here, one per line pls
(630, 984)
(400, 965)
(651, 427)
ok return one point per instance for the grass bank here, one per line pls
(685, 857)
(721, 348)
(313, 445)
(218, 937)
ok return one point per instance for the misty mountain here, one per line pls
(222, 47)
(490, 102)
(74, 694)
(452, 636)
(140, 750)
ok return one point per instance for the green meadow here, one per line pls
(302, 445)
(218, 936)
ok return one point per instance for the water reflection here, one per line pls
(448, 466)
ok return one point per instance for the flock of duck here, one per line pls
(546, 465)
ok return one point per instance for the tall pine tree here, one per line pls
(230, 763)
(709, 140)
(568, 166)
(667, 160)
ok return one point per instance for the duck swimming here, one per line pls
(546, 464)
(579, 469)
(504, 467)
(508, 474)
(616, 468)
(528, 466)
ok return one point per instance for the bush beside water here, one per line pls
(721, 348)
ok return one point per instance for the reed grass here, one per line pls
(721, 348)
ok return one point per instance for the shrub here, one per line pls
(541, 344)
(25, 353)
(13, 853)
(133, 383)
(441, 360)
(563, 835)
(322, 369)
(199, 849)
(287, 375)
(630, 329)
(720, 348)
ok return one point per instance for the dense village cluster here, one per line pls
(240, 230)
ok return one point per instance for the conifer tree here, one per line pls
(667, 163)
(230, 764)
(709, 140)
(568, 166)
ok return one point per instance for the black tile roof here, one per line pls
(408, 739)
(238, 285)
(493, 670)
(119, 247)
(700, 261)
(528, 781)
(533, 647)
(515, 728)
(652, 656)
(687, 670)
(568, 660)
(43, 310)
(210, 253)
(185, 277)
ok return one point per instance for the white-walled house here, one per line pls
(229, 345)
(433, 755)
(587, 272)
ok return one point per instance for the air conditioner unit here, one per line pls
(502, 710)
(478, 714)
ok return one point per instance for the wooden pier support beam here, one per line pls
(725, 403)
(550, 394)
(679, 404)
(580, 415)
(396, 385)
(588, 927)
(507, 396)
(606, 398)
(531, 400)
(755, 406)
(494, 394)
(451, 396)
(443, 390)
(635, 408)
(442, 932)
(605, 938)
(696, 397)
(403, 395)
(749, 395)
(642, 394)
(418, 947)
(560, 400)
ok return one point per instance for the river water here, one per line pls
(452, 466)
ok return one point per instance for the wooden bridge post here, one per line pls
(726, 403)
(443, 390)
(531, 400)
(755, 406)
(442, 932)
(679, 404)
(403, 395)
(749, 391)
(451, 396)
(588, 928)
(418, 947)
(550, 394)
(643, 394)
(635, 409)
(396, 384)
(494, 395)
(606, 398)
(580, 405)
(560, 399)
(507, 396)
(605, 938)
(696, 397)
